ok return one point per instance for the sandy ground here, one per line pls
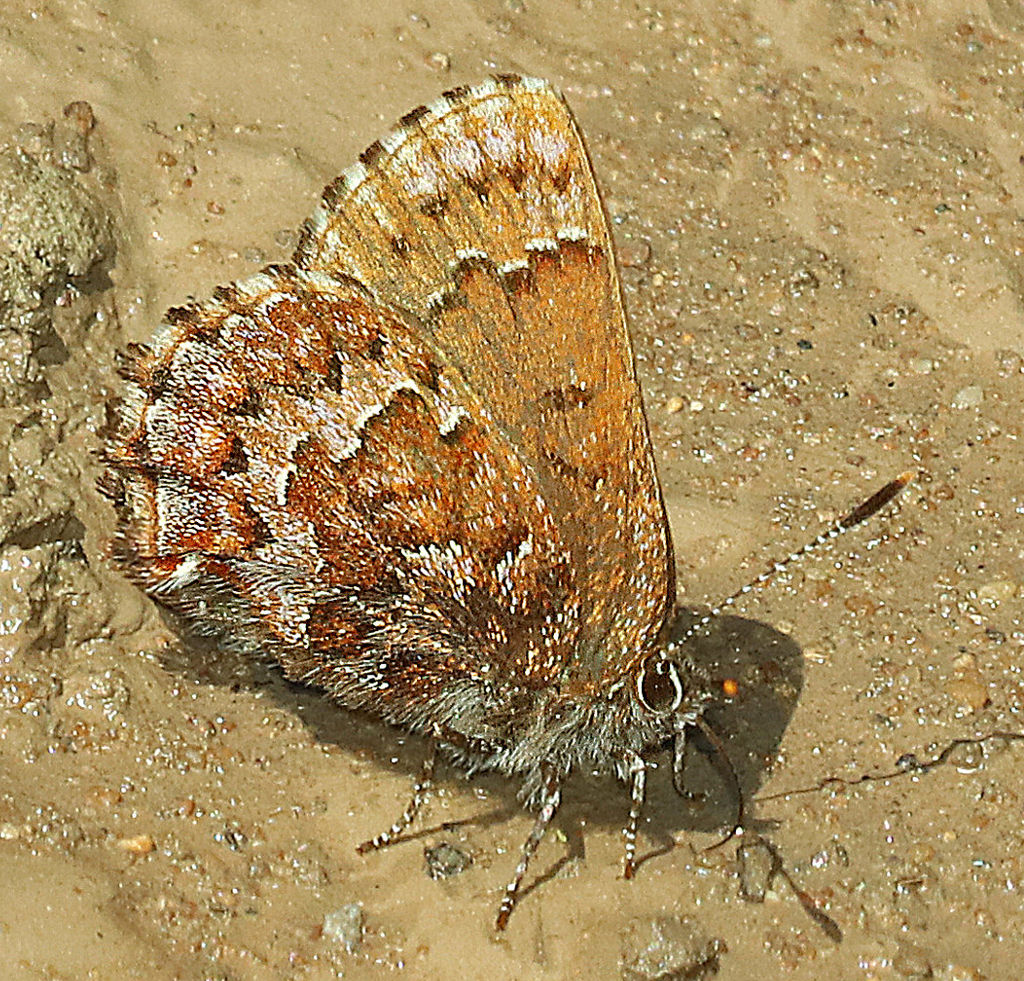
(816, 208)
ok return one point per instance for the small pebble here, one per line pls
(345, 926)
(286, 238)
(666, 949)
(969, 397)
(137, 844)
(966, 687)
(440, 61)
(81, 114)
(635, 253)
(446, 860)
(757, 869)
(922, 366)
(912, 961)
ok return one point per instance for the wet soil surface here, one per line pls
(816, 212)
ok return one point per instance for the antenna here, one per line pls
(859, 514)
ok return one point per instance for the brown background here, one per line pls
(817, 210)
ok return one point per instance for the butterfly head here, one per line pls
(672, 691)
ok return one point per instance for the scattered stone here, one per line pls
(635, 253)
(966, 687)
(440, 61)
(345, 926)
(446, 860)
(758, 866)
(668, 949)
(969, 397)
(922, 366)
(137, 844)
(912, 961)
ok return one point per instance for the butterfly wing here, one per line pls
(479, 216)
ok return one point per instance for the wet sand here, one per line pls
(816, 211)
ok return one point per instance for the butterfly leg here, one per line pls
(420, 790)
(549, 804)
(637, 788)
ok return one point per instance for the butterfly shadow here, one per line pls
(757, 675)
(762, 665)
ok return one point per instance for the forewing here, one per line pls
(479, 217)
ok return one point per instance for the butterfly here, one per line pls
(412, 466)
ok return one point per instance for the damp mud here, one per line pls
(817, 211)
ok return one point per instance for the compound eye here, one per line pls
(658, 685)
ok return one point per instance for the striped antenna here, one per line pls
(860, 513)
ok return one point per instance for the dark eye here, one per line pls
(658, 686)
